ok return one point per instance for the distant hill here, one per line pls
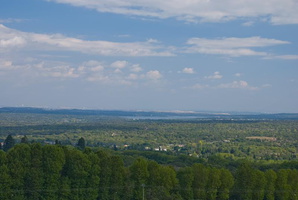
(155, 114)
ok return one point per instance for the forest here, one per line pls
(35, 171)
(77, 155)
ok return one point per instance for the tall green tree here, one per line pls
(19, 159)
(81, 143)
(34, 177)
(93, 178)
(259, 185)
(24, 140)
(139, 175)
(168, 181)
(161, 181)
(77, 167)
(9, 142)
(53, 162)
(185, 177)
(271, 177)
(293, 182)
(117, 177)
(201, 175)
(282, 188)
(153, 181)
(213, 184)
(104, 175)
(65, 189)
(227, 183)
(5, 179)
(244, 184)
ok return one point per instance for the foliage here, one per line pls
(33, 171)
(160, 159)
(9, 142)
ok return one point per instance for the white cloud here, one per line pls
(6, 65)
(237, 85)
(132, 77)
(136, 68)
(283, 57)
(117, 70)
(233, 85)
(188, 70)
(11, 20)
(119, 64)
(92, 65)
(61, 72)
(278, 12)
(38, 70)
(12, 42)
(97, 68)
(12, 38)
(238, 74)
(234, 42)
(231, 46)
(216, 75)
(249, 23)
(153, 74)
(56, 70)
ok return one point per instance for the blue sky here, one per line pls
(200, 55)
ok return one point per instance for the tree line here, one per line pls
(35, 171)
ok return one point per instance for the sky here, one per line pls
(191, 55)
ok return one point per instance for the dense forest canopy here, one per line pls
(33, 171)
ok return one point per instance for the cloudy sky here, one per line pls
(201, 55)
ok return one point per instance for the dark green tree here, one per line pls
(227, 183)
(245, 180)
(201, 175)
(24, 140)
(53, 162)
(270, 176)
(185, 177)
(139, 175)
(93, 175)
(282, 188)
(259, 185)
(213, 184)
(5, 179)
(153, 190)
(18, 160)
(161, 181)
(9, 142)
(168, 182)
(57, 142)
(293, 182)
(34, 177)
(104, 175)
(81, 143)
(117, 177)
(76, 169)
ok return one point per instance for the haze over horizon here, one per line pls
(150, 55)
